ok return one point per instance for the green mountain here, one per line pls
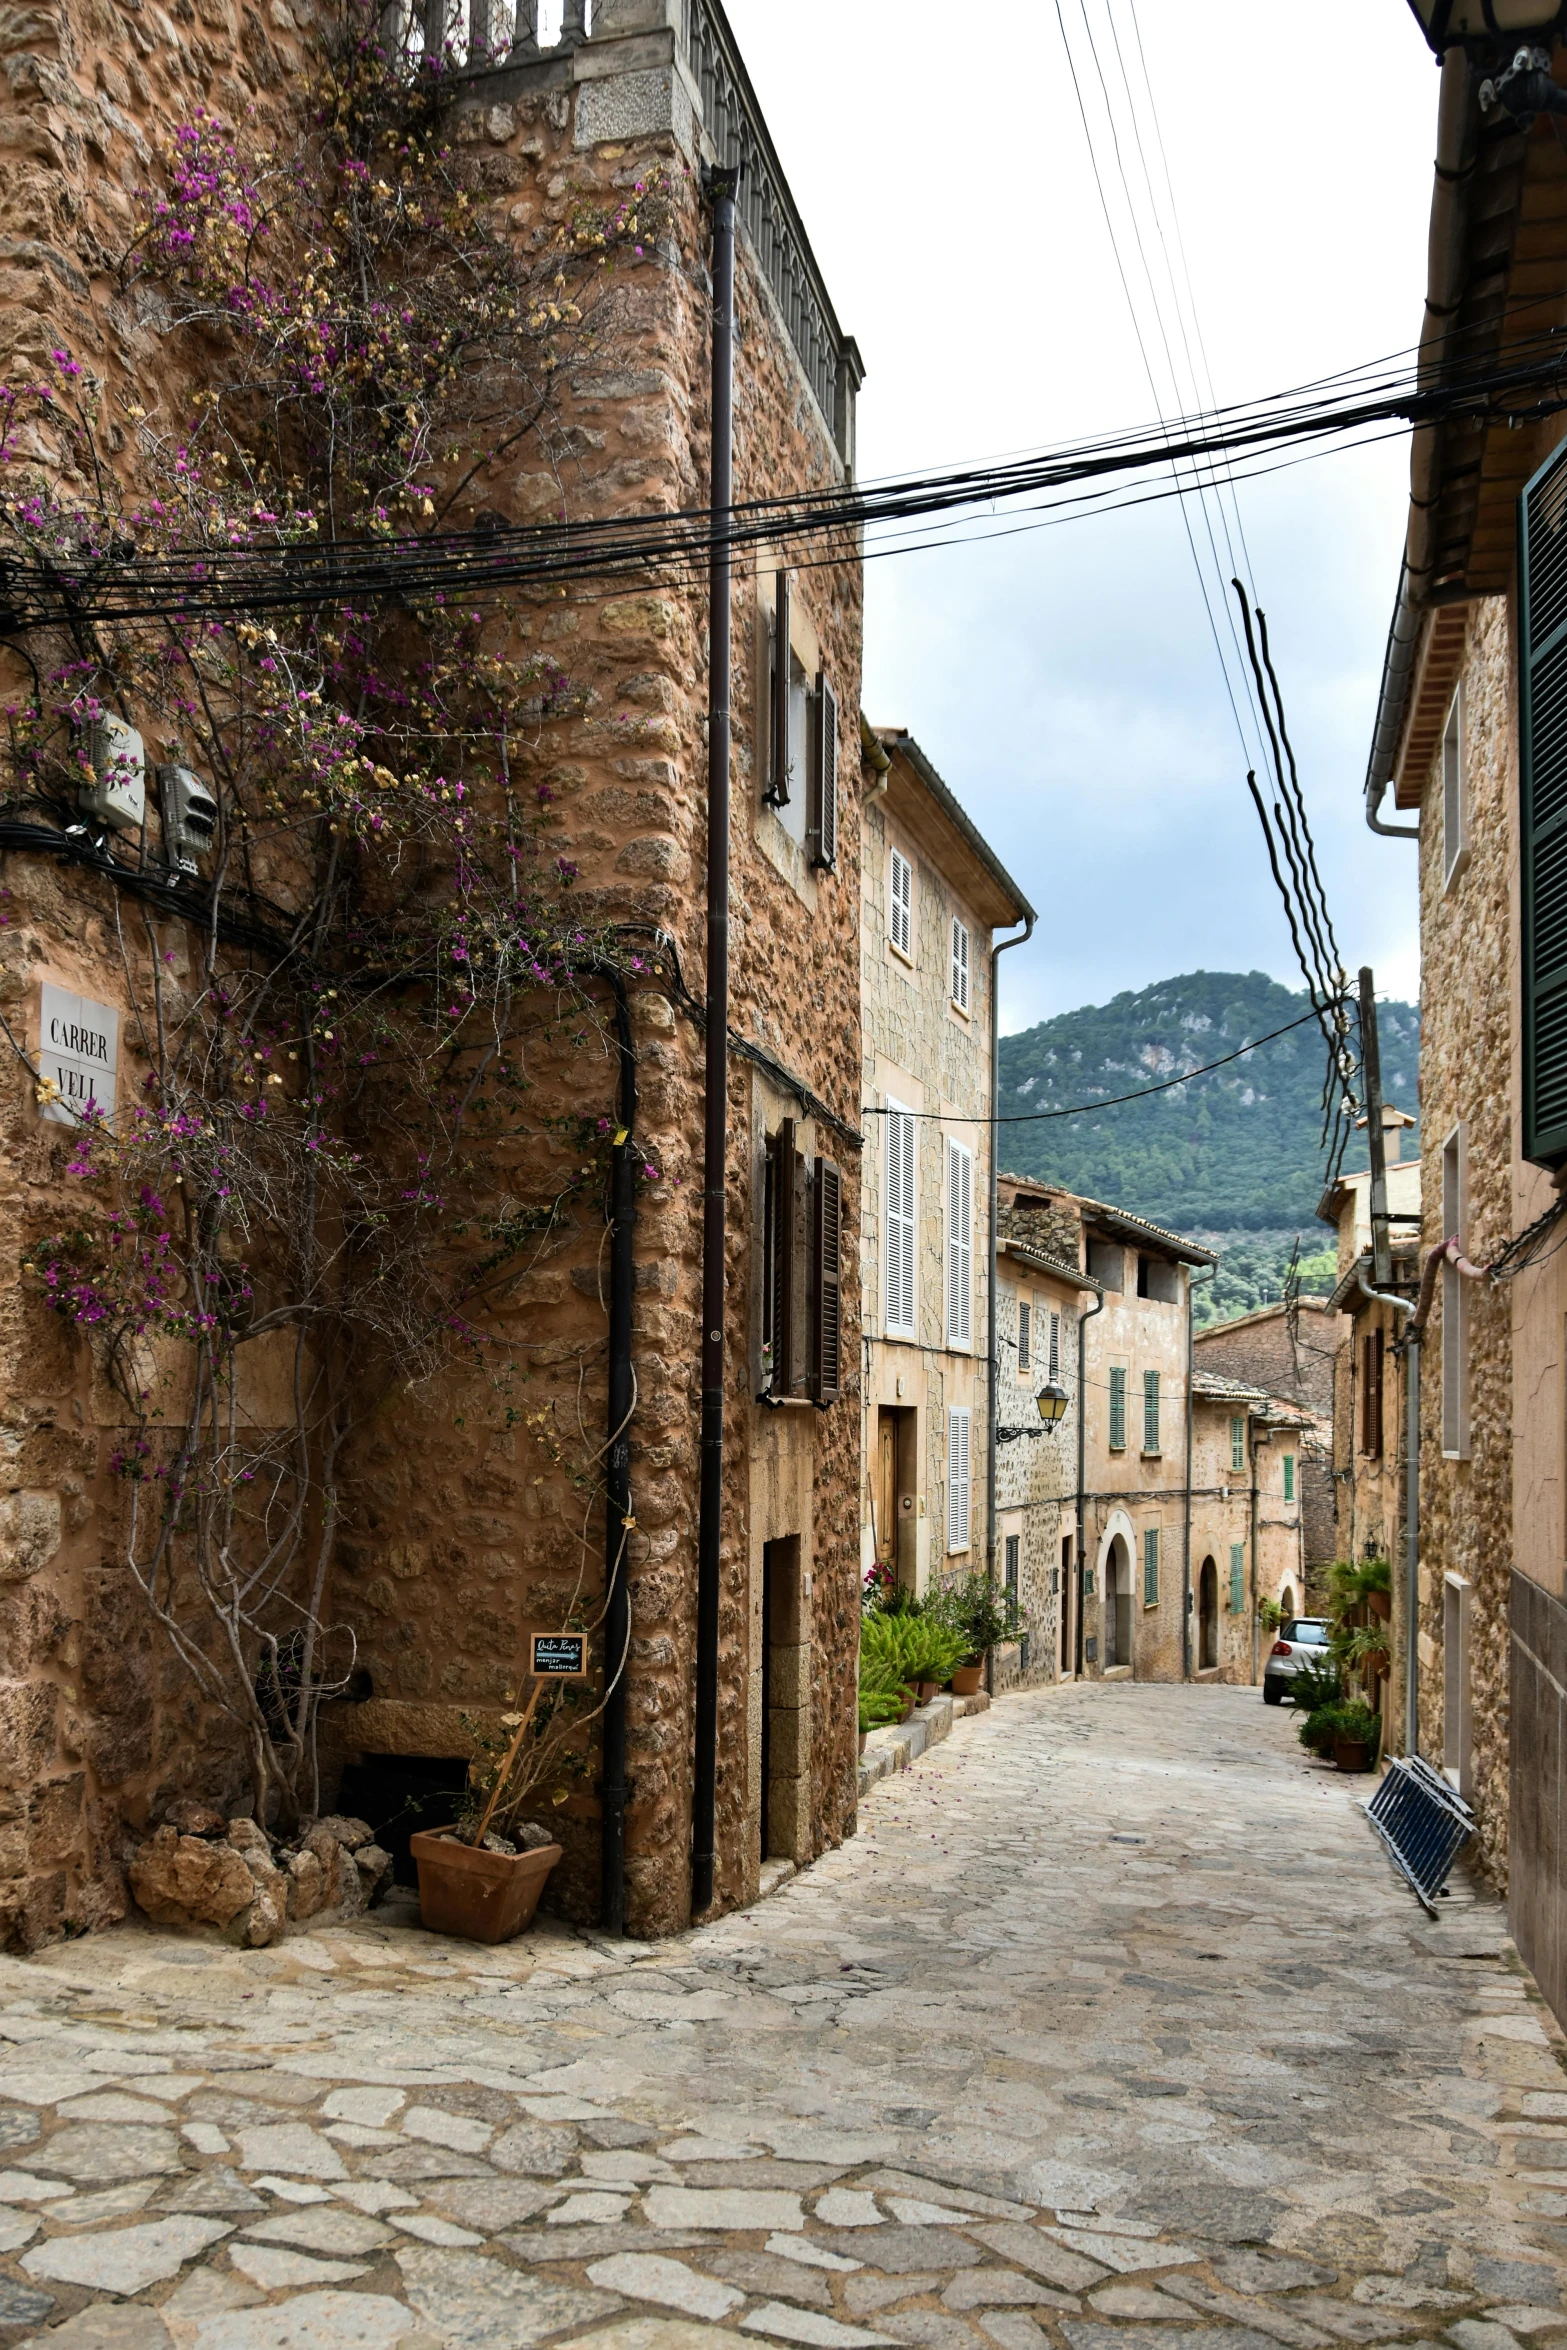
(1232, 1158)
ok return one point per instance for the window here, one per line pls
(1054, 1371)
(1151, 1566)
(1542, 747)
(1107, 1264)
(1455, 1304)
(897, 1271)
(802, 1274)
(785, 701)
(1150, 1411)
(960, 1244)
(1289, 1476)
(1238, 1441)
(958, 1478)
(1014, 1544)
(1371, 1372)
(1025, 1316)
(1157, 1278)
(1237, 1578)
(959, 965)
(900, 904)
(826, 1282)
(1117, 1408)
(1455, 813)
(781, 1302)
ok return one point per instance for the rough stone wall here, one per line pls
(461, 1532)
(1263, 1351)
(1465, 1055)
(1131, 1491)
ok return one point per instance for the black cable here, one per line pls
(1109, 1102)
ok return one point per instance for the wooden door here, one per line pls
(887, 1488)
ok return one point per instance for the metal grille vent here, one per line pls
(1423, 1823)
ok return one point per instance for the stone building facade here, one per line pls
(1248, 1518)
(1293, 1353)
(1040, 1298)
(933, 895)
(457, 1534)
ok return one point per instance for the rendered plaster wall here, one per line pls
(1466, 1496)
(464, 1529)
(1221, 1517)
(1036, 1476)
(1134, 1490)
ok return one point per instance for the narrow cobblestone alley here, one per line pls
(1111, 2027)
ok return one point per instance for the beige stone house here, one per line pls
(1248, 1521)
(457, 1534)
(933, 894)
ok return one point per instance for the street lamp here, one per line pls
(1510, 41)
(1051, 1403)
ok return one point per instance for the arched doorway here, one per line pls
(1117, 1604)
(1207, 1616)
(1287, 1603)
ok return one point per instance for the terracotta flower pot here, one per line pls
(478, 1896)
(1351, 1754)
(1381, 1605)
(928, 1690)
(968, 1680)
(911, 1698)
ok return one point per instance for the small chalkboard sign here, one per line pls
(563, 1656)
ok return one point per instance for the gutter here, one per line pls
(1417, 588)
(993, 1383)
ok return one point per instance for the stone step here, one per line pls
(894, 1748)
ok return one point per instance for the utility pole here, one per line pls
(1371, 1070)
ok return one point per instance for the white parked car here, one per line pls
(1299, 1638)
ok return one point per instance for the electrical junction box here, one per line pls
(119, 762)
(190, 817)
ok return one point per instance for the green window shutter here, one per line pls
(1237, 1442)
(1117, 1410)
(1542, 564)
(1151, 1566)
(1289, 1476)
(1237, 1578)
(1150, 1411)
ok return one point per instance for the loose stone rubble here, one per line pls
(199, 1870)
(1110, 2031)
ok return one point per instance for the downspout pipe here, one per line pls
(1258, 1438)
(720, 184)
(993, 1383)
(617, 1475)
(1186, 1538)
(1083, 1321)
(1411, 1353)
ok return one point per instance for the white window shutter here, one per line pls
(960, 1244)
(900, 902)
(959, 1479)
(960, 961)
(898, 1240)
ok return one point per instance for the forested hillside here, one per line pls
(1233, 1156)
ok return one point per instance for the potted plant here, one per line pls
(1356, 1736)
(919, 1648)
(981, 1617)
(481, 1876)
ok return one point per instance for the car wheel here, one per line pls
(1272, 1694)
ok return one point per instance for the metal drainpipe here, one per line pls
(720, 183)
(994, 1381)
(1083, 1321)
(617, 1481)
(1186, 1550)
(1256, 1440)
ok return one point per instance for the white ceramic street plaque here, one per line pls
(78, 1054)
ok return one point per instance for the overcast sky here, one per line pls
(1065, 680)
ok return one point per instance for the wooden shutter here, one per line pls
(1150, 1411)
(1024, 1334)
(785, 1196)
(1371, 1394)
(1542, 549)
(778, 776)
(1117, 1408)
(900, 902)
(958, 1479)
(1237, 1578)
(898, 1227)
(960, 1244)
(960, 954)
(1151, 1567)
(1053, 1360)
(1289, 1476)
(824, 816)
(827, 1268)
(1237, 1440)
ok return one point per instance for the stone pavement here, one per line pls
(1110, 2031)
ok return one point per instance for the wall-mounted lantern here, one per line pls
(1510, 41)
